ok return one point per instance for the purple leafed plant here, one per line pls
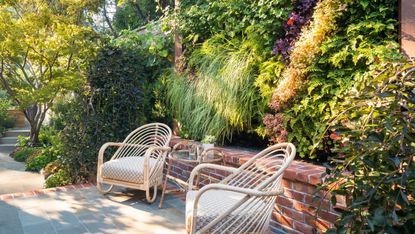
(297, 19)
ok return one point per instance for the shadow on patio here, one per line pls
(87, 211)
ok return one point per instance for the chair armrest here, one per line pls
(104, 147)
(207, 165)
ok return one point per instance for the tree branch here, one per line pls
(107, 20)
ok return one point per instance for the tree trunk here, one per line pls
(35, 114)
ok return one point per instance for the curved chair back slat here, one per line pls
(262, 172)
(138, 141)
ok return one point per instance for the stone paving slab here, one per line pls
(14, 178)
(82, 209)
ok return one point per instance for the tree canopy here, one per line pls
(44, 47)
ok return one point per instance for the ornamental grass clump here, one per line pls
(219, 98)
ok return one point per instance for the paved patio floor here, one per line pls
(14, 178)
(85, 210)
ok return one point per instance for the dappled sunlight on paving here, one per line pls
(87, 211)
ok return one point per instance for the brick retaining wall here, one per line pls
(299, 209)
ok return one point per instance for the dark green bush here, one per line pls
(5, 120)
(60, 178)
(24, 153)
(375, 168)
(115, 101)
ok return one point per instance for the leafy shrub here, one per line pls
(344, 60)
(113, 104)
(5, 120)
(200, 20)
(52, 168)
(38, 161)
(375, 139)
(60, 178)
(24, 153)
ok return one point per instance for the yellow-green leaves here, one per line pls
(43, 52)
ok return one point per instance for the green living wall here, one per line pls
(225, 44)
(277, 68)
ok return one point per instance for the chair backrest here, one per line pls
(263, 172)
(139, 140)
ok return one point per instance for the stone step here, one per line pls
(6, 147)
(8, 140)
(15, 133)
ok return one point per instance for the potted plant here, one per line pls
(208, 142)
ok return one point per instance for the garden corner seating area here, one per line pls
(207, 116)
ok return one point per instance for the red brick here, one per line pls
(78, 186)
(304, 176)
(328, 216)
(305, 208)
(28, 194)
(283, 220)
(244, 160)
(303, 187)
(292, 213)
(319, 224)
(7, 197)
(294, 194)
(341, 202)
(302, 227)
(315, 179)
(290, 174)
(318, 202)
(286, 184)
(284, 201)
(16, 195)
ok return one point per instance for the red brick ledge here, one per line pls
(298, 171)
(38, 192)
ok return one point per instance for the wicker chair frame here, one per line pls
(150, 142)
(257, 183)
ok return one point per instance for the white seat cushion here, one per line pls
(129, 169)
(211, 204)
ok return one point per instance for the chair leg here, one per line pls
(102, 189)
(149, 198)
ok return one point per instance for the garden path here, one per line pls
(13, 177)
(84, 210)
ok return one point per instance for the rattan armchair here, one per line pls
(244, 200)
(138, 162)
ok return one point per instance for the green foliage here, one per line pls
(60, 178)
(24, 153)
(5, 104)
(376, 141)
(266, 81)
(44, 48)
(131, 14)
(115, 101)
(153, 44)
(219, 96)
(209, 139)
(37, 162)
(201, 19)
(346, 59)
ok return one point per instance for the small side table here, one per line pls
(191, 155)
